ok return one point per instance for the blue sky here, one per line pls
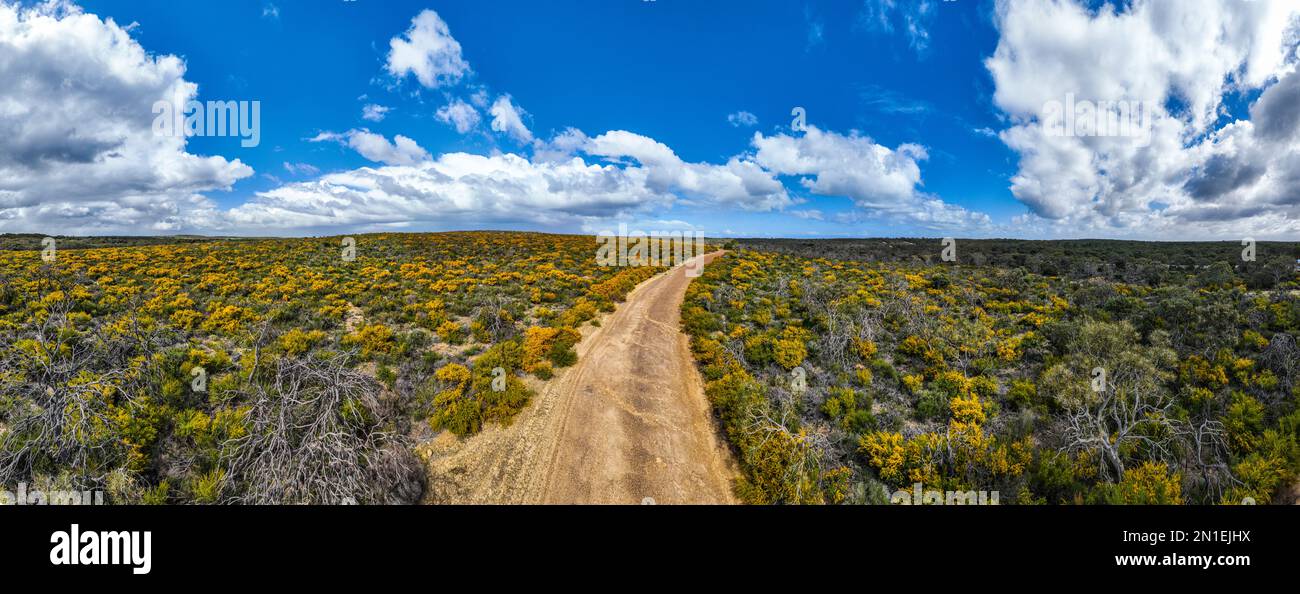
(919, 110)
(667, 69)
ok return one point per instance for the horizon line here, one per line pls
(709, 237)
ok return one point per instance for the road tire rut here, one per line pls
(628, 423)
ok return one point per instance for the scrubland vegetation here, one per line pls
(276, 370)
(1120, 372)
(279, 371)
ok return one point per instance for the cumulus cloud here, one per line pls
(579, 181)
(459, 114)
(873, 175)
(428, 51)
(77, 154)
(1277, 112)
(561, 147)
(455, 189)
(400, 151)
(742, 118)
(77, 148)
(1190, 171)
(739, 182)
(638, 176)
(508, 119)
(374, 113)
(881, 180)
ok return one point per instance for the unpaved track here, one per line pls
(628, 422)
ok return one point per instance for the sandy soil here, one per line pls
(627, 424)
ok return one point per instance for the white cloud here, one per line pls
(739, 183)
(508, 119)
(881, 180)
(82, 158)
(640, 179)
(1197, 174)
(457, 189)
(374, 113)
(301, 168)
(562, 147)
(401, 151)
(428, 51)
(910, 18)
(480, 98)
(640, 176)
(458, 114)
(742, 118)
(874, 176)
(270, 11)
(77, 148)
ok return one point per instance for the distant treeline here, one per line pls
(32, 241)
(1145, 262)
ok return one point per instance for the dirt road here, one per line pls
(627, 423)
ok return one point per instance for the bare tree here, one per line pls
(1113, 392)
(804, 468)
(1206, 462)
(836, 338)
(315, 436)
(1283, 356)
(57, 386)
(1116, 419)
(496, 318)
